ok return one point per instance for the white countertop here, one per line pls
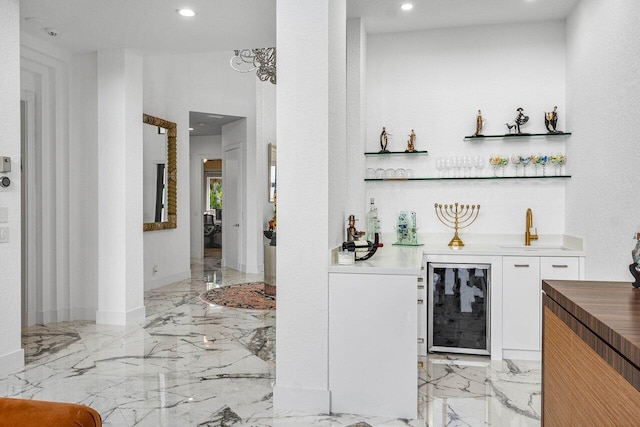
(407, 260)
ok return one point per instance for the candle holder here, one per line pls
(457, 216)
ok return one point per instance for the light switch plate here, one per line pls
(4, 214)
(4, 234)
(5, 164)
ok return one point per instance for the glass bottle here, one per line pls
(373, 224)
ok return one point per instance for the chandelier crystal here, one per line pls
(262, 60)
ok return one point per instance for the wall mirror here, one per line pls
(159, 174)
(272, 172)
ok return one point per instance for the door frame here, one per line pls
(29, 274)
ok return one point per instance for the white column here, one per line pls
(11, 353)
(119, 216)
(311, 193)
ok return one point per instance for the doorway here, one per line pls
(212, 218)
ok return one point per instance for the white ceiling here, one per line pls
(385, 16)
(153, 26)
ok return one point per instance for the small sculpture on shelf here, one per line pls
(353, 235)
(520, 120)
(457, 217)
(383, 141)
(634, 268)
(411, 142)
(551, 121)
(479, 124)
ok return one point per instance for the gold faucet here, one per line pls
(528, 237)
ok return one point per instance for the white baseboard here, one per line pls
(521, 355)
(11, 362)
(167, 280)
(120, 318)
(311, 401)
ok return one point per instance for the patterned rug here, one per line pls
(251, 296)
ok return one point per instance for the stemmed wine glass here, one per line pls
(534, 161)
(495, 161)
(515, 159)
(439, 166)
(543, 159)
(504, 161)
(525, 161)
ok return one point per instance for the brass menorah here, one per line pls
(457, 216)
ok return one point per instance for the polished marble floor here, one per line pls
(191, 364)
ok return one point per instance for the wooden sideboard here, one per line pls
(590, 354)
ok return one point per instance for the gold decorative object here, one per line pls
(457, 216)
(411, 142)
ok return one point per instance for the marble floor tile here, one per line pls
(193, 364)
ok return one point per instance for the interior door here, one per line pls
(231, 218)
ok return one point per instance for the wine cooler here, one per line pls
(459, 309)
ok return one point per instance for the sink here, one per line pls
(533, 248)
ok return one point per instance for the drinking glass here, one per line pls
(524, 160)
(447, 166)
(534, 161)
(542, 160)
(371, 173)
(439, 166)
(495, 161)
(515, 159)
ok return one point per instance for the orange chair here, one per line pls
(31, 413)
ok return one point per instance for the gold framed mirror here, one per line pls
(165, 194)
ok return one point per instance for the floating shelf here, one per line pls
(518, 136)
(396, 153)
(468, 178)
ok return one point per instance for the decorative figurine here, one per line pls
(479, 124)
(410, 142)
(634, 268)
(520, 120)
(353, 235)
(551, 121)
(383, 141)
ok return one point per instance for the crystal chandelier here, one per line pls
(263, 60)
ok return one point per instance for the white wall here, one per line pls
(434, 82)
(603, 94)
(164, 96)
(177, 84)
(11, 355)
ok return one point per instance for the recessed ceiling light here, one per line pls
(214, 116)
(406, 6)
(186, 12)
(190, 128)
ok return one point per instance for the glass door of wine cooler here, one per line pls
(459, 311)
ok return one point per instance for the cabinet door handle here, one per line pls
(420, 340)
(521, 265)
(420, 286)
(420, 302)
(559, 265)
(420, 279)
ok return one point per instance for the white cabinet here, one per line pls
(373, 324)
(521, 303)
(522, 297)
(560, 268)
